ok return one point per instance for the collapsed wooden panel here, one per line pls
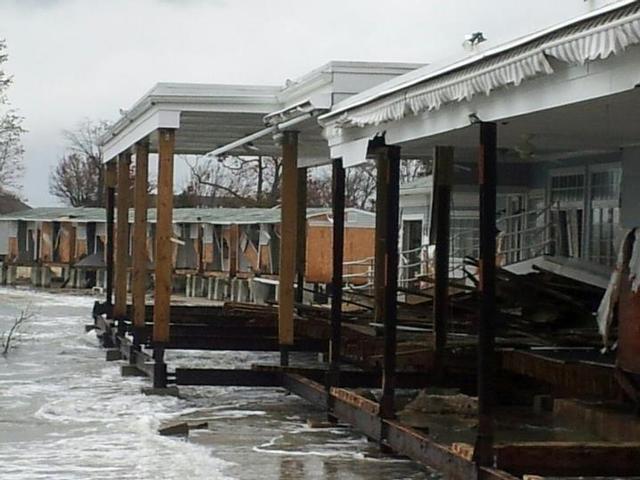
(359, 244)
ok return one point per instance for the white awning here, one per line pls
(593, 38)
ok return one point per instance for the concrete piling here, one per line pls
(35, 276)
(12, 273)
(45, 277)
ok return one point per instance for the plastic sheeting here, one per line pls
(596, 38)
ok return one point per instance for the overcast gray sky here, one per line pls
(87, 58)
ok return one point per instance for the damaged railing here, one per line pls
(522, 236)
(358, 274)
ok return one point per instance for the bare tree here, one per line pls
(360, 183)
(11, 131)
(7, 338)
(255, 181)
(77, 179)
(245, 180)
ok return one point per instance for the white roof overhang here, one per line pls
(221, 119)
(205, 116)
(242, 119)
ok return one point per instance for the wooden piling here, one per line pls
(288, 231)
(140, 257)
(110, 179)
(122, 236)
(301, 236)
(164, 234)
(387, 205)
(337, 276)
(487, 169)
(443, 171)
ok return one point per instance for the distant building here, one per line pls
(206, 240)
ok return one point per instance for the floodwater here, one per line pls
(65, 413)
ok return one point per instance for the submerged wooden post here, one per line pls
(110, 180)
(122, 236)
(288, 230)
(337, 277)
(388, 190)
(487, 171)
(301, 225)
(163, 257)
(443, 172)
(140, 257)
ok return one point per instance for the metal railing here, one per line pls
(522, 237)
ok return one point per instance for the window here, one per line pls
(411, 247)
(605, 215)
(567, 188)
(594, 189)
(465, 236)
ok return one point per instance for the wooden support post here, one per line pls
(140, 256)
(234, 240)
(483, 452)
(288, 231)
(163, 257)
(122, 236)
(337, 280)
(110, 180)
(301, 237)
(443, 171)
(387, 203)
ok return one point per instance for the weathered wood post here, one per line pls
(288, 230)
(110, 179)
(483, 453)
(164, 257)
(301, 236)
(386, 275)
(122, 239)
(335, 345)
(140, 257)
(442, 178)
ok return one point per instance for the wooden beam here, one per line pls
(140, 256)
(164, 233)
(362, 414)
(387, 208)
(301, 237)
(608, 420)
(122, 236)
(335, 345)
(570, 459)
(566, 377)
(110, 179)
(443, 172)
(487, 169)
(288, 231)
